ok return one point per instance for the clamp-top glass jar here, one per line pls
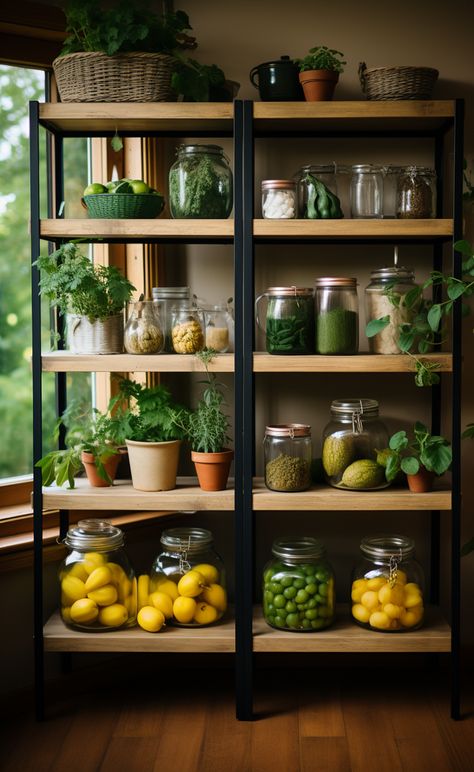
(190, 571)
(143, 332)
(187, 334)
(388, 585)
(337, 315)
(166, 298)
(351, 442)
(217, 328)
(298, 586)
(98, 585)
(288, 455)
(289, 326)
(200, 183)
(416, 193)
(378, 304)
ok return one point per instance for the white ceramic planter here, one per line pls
(98, 337)
(154, 465)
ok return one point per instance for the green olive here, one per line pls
(279, 601)
(301, 596)
(290, 607)
(292, 620)
(290, 592)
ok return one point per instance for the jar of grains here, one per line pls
(337, 316)
(187, 334)
(166, 298)
(416, 193)
(279, 199)
(288, 454)
(143, 332)
(216, 328)
(386, 296)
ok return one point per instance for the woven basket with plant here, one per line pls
(401, 82)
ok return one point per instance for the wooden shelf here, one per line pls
(325, 498)
(122, 496)
(352, 229)
(66, 361)
(127, 230)
(344, 636)
(360, 363)
(218, 638)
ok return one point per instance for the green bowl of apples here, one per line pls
(123, 199)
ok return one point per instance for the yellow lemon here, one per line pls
(66, 614)
(358, 589)
(104, 596)
(388, 594)
(210, 573)
(98, 578)
(392, 610)
(130, 604)
(77, 569)
(191, 584)
(93, 560)
(143, 590)
(380, 620)
(376, 583)
(169, 587)
(72, 589)
(370, 600)
(412, 617)
(113, 616)
(361, 613)
(183, 609)
(84, 610)
(205, 614)
(162, 601)
(401, 577)
(216, 596)
(117, 571)
(150, 619)
(124, 587)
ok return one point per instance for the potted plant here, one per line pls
(319, 72)
(91, 296)
(197, 82)
(421, 458)
(146, 418)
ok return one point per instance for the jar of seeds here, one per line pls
(288, 453)
(416, 193)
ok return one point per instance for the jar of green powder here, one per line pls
(200, 183)
(288, 453)
(337, 316)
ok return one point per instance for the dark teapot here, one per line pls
(277, 81)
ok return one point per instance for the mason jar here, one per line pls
(391, 174)
(98, 585)
(399, 281)
(353, 442)
(289, 324)
(216, 328)
(287, 457)
(200, 183)
(166, 298)
(192, 573)
(279, 200)
(336, 315)
(143, 332)
(416, 193)
(298, 586)
(187, 334)
(366, 191)
(323, 173)
(388, 585)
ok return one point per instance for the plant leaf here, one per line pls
(376, 325)
(410, 465)
(456, 288)
(398, 441)
(437, 458)
(116, 143)
(434, 316)
(463, 247)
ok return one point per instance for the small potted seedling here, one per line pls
(319, 72)
(421, 458)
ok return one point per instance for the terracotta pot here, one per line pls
(154, 465)
(88, 460)
(318, 85)
(212, 469)
(421, 482)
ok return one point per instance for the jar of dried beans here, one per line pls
(416, 193)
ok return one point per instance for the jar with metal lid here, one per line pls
(388, 585)
(279, 200)
(416, 193)
(143, 332)
(366, 191)
(353, 442)
(187, 325)
(216, 328)
(336, 315)
(201, 183)
(166, 299)
(386, 295)
(98, 585)
(289, 324)
(288, 455)
(298, 586)
(192, 574)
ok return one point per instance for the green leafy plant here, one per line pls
(197, 82)
(322, 58)
(432, 452)
(468, 194)
(75, 285)
(146, 414)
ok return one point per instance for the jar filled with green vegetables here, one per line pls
(289, 325)
(288, 454)
(200, 183)
(317, 193)
(337, 315)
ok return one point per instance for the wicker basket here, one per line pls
(131, 206)
(132, 77)
(397, 82)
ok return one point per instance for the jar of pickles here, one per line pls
(192, 574)
(298, 586)
(187, 334)
(416, 193)
(388, 585)
(144, 332)
(353, 445)
(288, 454)
(289, 325)
(98, 585)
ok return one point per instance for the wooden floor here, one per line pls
(307, 720)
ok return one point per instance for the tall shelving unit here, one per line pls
(245, 120)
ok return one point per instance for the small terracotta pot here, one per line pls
(88, 460)
(212, 469)
(318, 85)
(422, 481)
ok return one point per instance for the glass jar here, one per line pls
(288, 455)
(216, 328)
(289, 326)
(279, 200)
(366, 191)
(416, 193)
(390, 184)
(351, 444)
(187, 334)
(166, 298)
(200, 183)
(388, 585)
(336, 316)
(192, 573)
(322, 173)
(298, 586)
(98, 585)
(143, 332)
(400, 281)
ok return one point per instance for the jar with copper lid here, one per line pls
(288, 454)
(289, 324)
(336, 315)
(279, 199)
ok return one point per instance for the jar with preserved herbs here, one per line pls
(200, 183)
(187, 334)
(298, 586)
(98, 585)
(416, 193)
(354, 442)
(289, 325)
(388, 585)
(337, 315)
(288, 455)
(216, 328)
(166, 299)
(386, 295)
(192, 574)
(143, 332)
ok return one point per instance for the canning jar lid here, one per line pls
(393, 272)
(288, 430)
(163, 293)
(386, 545)
(279, 184)
(186, 539)
(299, 549)
(184, 149)
(423, 170)
(335, 281)
(94, 534)
(366, 407)
(288, 291)
(367, 168)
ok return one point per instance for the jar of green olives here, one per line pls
(298, 586)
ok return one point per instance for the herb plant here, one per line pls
(146, 414)
(196, 82)
(199, 188)
(322, 58)
(432, 452)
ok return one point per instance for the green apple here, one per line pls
(139, 187)
(94, 189)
